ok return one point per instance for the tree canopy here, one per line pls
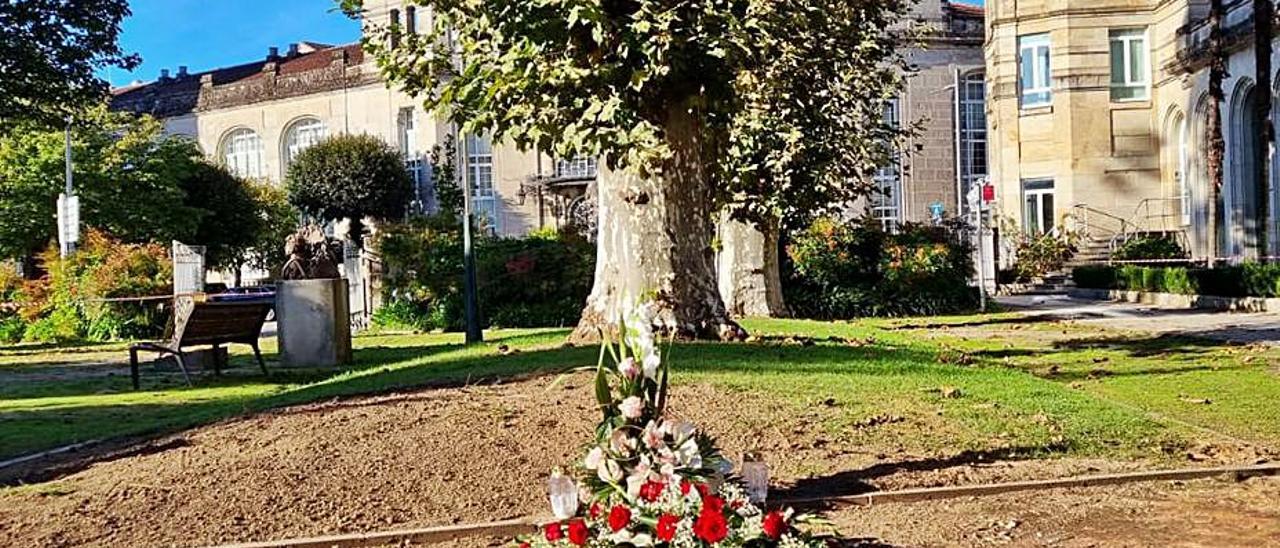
(350, 177)
(50, 52)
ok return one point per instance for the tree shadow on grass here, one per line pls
(1145, 347)
(988, 321)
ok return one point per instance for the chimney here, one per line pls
(293, 49)
(273, 53)
(182, 71)
(164, 75)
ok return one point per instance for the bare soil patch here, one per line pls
(477, 454)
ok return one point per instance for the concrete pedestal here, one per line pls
(314, 322)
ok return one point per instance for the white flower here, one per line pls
(594, 458)
(681, 431)
(651, 363)
(639, 476)
(621, 443)
(689, 456)
(653, 437)
(632, 408)
(610, 471)
(628, 369)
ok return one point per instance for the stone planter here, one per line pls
(314, 323)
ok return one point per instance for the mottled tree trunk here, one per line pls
(1264, 32)
(749, 269)
(655, 241)
(1217, 146)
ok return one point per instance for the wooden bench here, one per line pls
(207, 324)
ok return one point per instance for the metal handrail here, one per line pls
(1088, 223)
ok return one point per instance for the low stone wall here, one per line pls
(1173, 300)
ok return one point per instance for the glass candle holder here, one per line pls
(564, 495)
(755, 476)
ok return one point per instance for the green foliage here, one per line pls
(276, 219)
(1148, 247)
(11, 325)
(539, 281)
(68, 303)
(127, 173)
(350, 177)
(1041, 254)
(230, 221)
(53, 55)
(787, 93)
(444, 173)
(1247, 280)
(845, 270)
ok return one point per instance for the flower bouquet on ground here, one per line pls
(651, 481)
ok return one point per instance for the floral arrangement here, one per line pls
(650, 481)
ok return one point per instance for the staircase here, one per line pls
(1091, 250)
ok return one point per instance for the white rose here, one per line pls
(632, 408)
(610, 471)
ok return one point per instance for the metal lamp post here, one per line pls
(471, 308)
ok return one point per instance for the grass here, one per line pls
(981, 383)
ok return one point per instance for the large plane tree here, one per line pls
(657, 89)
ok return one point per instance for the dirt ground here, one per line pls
(478, 454)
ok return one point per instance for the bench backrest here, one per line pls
(215, 323)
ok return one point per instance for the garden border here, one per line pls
(511, 528)
(1178, 301)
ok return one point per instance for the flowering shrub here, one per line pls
(651, 481)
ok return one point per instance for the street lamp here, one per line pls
(471, 308)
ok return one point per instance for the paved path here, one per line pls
(1235, 327)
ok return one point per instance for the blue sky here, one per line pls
(207, 34)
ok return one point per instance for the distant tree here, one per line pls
(50, 54)
(350, 177)
(128, 175)
(229, 219)
(444, 173)
(277, 220)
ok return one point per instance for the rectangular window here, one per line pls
(1130, 74)
(1034, 71)
(411, 20)
(1039, 216)
(393, 35)
(886, 200)
(479, 152)
(576, 168)
(972, 113)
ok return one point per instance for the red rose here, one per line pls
(578, 532)
(666, 530)
(619, 518)
(713, 504)
(595, 511)
(774, 525)
(525, 545)
(553, 531)
(685, 486)
(651, 491)
(704, 490)
(711, 527)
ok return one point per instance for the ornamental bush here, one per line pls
(350, 177)
(538, 281)
(1247, 280)
(1036, 256)
(841, 270)
(1150, 247)
(68, 303)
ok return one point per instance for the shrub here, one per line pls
(1039, 255)
(1248, 280)
(350, 177)
(68, 303)
(840, 270)
(1149, 247)
(539, 281)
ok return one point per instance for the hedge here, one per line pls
(1246, 280)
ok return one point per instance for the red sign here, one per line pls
(988, 193)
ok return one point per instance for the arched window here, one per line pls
(241, 152)
(301, 135)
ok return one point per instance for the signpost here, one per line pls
(68, 208)
(980, 197)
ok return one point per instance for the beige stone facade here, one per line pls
(1118, 146)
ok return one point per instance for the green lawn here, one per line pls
(962, 383)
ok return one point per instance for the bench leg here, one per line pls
(258, 354)
(133, 367)
(182, 364)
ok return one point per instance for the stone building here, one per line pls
(947, 94)
(1098, 115)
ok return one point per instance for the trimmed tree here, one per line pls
(53, 51)
(229, 220)
(652, 88)
(350, 177)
